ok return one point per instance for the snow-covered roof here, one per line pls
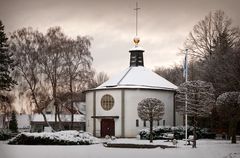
(138, 77)
(51, 118)
(136, 48)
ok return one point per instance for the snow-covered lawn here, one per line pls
(205, 149)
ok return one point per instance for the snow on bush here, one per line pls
(160, 131)
(178, 131)
(56, 138)
(5, 134)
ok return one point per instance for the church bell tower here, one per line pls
(136, 53)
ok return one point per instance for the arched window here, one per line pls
(144, 123)
(158, 123)
(137, 123)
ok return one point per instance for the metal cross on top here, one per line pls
(136, 17)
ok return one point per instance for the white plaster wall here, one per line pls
(115, 111)
(133, 97)
(89, 112)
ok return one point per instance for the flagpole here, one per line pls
(186, 79)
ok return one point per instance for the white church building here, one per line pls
(111, 108)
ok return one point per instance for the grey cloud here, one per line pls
(163, 24)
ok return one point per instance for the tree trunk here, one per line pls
(37, 105)
(4, 120)
(59, 123)
(72, 113)
(72, 117)
(151, 130)
(233, 130)
(55, 115)
(4, 117)
(194, 133)
(46, 121)
(234, 139)
(55, 104)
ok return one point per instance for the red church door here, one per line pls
(107, 127)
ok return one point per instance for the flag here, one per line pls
(185, 66)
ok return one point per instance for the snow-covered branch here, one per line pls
(200, 98)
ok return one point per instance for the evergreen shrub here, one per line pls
(179, 132)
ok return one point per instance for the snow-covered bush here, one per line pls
(56, 138)
(5, 134)
(158, 132)
(178, 131)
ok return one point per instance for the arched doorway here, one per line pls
(107, 127)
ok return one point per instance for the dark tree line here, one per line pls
(214, 52)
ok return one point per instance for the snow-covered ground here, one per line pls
(205, 149)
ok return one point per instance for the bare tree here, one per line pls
(25, 44)
(50, 61)
(214, 47)
(201, 41)
(52, 64)
(173, 74)
(228, 105)
(151, 109)
(77, 71)
(200, 100)
(101, 78)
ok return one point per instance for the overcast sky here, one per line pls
(163, 25)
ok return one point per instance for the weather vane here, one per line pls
(136, 38)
